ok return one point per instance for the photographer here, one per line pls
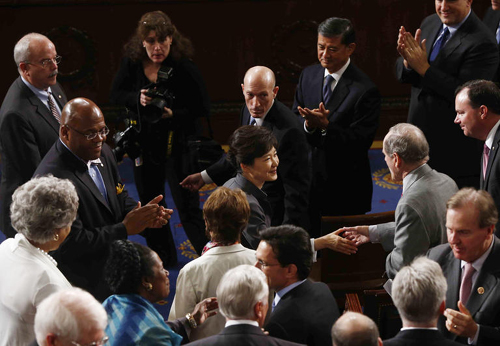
(157, 62)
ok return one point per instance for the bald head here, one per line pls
(354, 329)
(81, 118)
(259, 88)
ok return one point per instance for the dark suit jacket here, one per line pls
(305, 315)
(483, 307)
(82, 256)
(491, 20)
(260, 210)
(27, 131)
(341, 168)
(242, 335)
(492, 181)
(471, 53)
(419, 337)
(288, 195)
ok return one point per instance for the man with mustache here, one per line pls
(105, 212)
(29, 117)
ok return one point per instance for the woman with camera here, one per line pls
(158, 80)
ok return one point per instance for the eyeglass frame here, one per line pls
(45, 62)
(102, 133)
(101, 342)
(263, 264)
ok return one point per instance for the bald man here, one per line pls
(105, 212)
(28, 127)
(354, 329)
(288, 195)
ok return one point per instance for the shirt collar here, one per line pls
(478, 264)
(491, 135)
(87, 163)
(236, 322)
(41, 94)
(338, 74)
(260, 120)
(285, 290)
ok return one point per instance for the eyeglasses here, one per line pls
(263, 264)
(90, 136)
(103, 341)
(47, 62)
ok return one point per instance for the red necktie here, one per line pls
(466, 287)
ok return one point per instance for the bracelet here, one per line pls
(191, 320)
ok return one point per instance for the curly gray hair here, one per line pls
(42, 205)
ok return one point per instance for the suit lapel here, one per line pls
(114, 204)
(486, 282)
(41, 109)
(434, 31)
(339, 94)
(454, 273)
(456, 40)
(491, 159)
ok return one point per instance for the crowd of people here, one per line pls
(71, 277)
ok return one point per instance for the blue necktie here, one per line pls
(327, 89)
(253, 122)
(440, 42)
(498, 34)
(96, 176)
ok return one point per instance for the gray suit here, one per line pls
(420, 218)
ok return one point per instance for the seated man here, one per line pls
(243, 297)
(226, 214)
(471, 265)
(70, 317)
(302, 311)
(419, 292)
(420, 213)
(354, 329)
(105, 212)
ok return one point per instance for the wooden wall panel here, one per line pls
(229, 37)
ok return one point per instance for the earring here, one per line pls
(148, 286)
(56, 236)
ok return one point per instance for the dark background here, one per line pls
(228, 36)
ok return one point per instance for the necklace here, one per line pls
(48, 256)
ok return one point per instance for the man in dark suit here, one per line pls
(450, 48)
(28, 127)
(288, 195)
(243, 295)
(492, 21)
(341, 107)
(419, 292)
(355, 329)
(477, 104)
(471, 265)
(105, 211)
(302, 311)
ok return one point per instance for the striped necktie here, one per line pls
(53, 108)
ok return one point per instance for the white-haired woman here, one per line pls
(42, 212)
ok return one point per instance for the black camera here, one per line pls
(160, 94)
(126, 141)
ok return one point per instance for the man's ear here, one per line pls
(275, 91)
(64, 132)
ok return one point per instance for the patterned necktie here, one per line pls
(327, 89)
(486, 155)
(440, 42)
(53, 108)
(253, 122)
(466, 287)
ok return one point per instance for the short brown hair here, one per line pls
(226, 213)
(482, 200)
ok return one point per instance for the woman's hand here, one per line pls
(145, 100)
(204, 310)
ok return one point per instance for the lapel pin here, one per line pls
(480, 290)
(59, 96)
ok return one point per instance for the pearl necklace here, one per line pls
(48, 256)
